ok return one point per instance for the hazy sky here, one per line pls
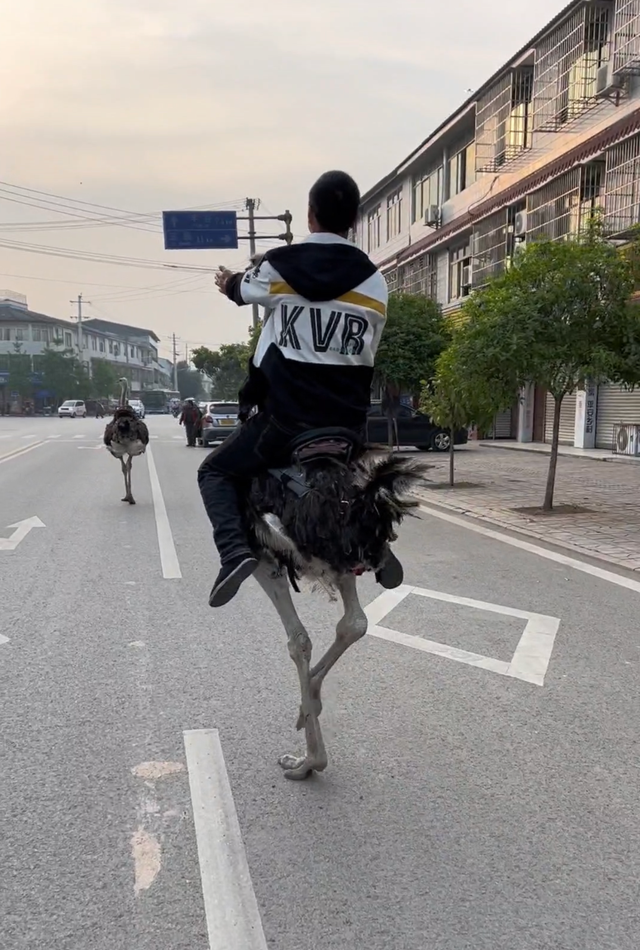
(150, 104)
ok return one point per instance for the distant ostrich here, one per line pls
(126, 436)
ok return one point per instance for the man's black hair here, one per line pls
(334, 200)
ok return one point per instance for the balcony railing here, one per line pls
(420, 276)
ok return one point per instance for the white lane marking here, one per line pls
(231, 909)
(168, 556)
(530, 660)
(54, 436)
(17, 452)
(25, 438)
(564, 559)
(3, 639)
(22, 529)
(80, 435)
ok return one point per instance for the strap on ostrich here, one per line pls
(335, 444)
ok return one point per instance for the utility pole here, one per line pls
(78, 303)
(175, 362)
(251, 204)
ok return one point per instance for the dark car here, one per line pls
(414, 428)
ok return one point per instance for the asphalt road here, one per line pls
(464, 808)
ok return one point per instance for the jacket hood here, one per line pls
(321, 271)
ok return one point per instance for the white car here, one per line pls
(138, 407)
(72, 408)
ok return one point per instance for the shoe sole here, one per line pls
(229, 587)
(391, 574)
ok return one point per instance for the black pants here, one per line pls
(191, 428)
(259, 444)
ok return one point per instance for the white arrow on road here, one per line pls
(22, 529)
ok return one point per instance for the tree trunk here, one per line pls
(452, 477)
(553, 461)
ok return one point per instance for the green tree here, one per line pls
(559, 316)
(20, 372)
(63, 374)
(226, 367)
(104, 379)
(456, 397)
(414, 336)
(189, 382)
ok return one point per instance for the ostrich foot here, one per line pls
(298, 768)
(131, 501)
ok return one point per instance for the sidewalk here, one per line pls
(494, 483)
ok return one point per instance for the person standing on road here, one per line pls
(190, 418)
(313, 366)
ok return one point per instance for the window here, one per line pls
(94, 343)
(116, 349)
(68, 341)
(427, 193)
(111, 346)
(394, 214)
(132, 352)
(373, 228)
(460, 272)
(102, 346)
(5, 333)
(462, 167)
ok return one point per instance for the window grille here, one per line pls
(626, 57)
(420, 276)
(567, 64)
(622, 202)
(565, 205)
(489, 248)
(504, 123)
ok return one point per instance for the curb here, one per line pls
(616, 459)
(495, 523)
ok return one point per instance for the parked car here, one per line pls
(414, 428)
(219, 420)
(138, 407)
(71, 408)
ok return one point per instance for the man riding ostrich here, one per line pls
(293, 492)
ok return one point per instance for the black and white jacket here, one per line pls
(328, 307)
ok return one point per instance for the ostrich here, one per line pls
(126, 436)
(329, 517)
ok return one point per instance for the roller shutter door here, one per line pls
(615, 405)
(567, 419)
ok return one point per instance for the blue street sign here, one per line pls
(189, 230)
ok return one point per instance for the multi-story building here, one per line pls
(131, 350)
(550, 137)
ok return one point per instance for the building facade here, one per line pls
(132, 351)
(550, 138)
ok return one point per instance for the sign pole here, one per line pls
(250, 206)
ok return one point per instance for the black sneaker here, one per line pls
(230, 579)
(391, 574)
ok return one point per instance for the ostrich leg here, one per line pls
(130, 497)
(276, 587)
(351, 628)
(126, 485)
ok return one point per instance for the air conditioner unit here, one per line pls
(626, 439)
(520, 224)
(432, 216)
(607, 82)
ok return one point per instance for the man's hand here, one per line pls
(222, 279)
